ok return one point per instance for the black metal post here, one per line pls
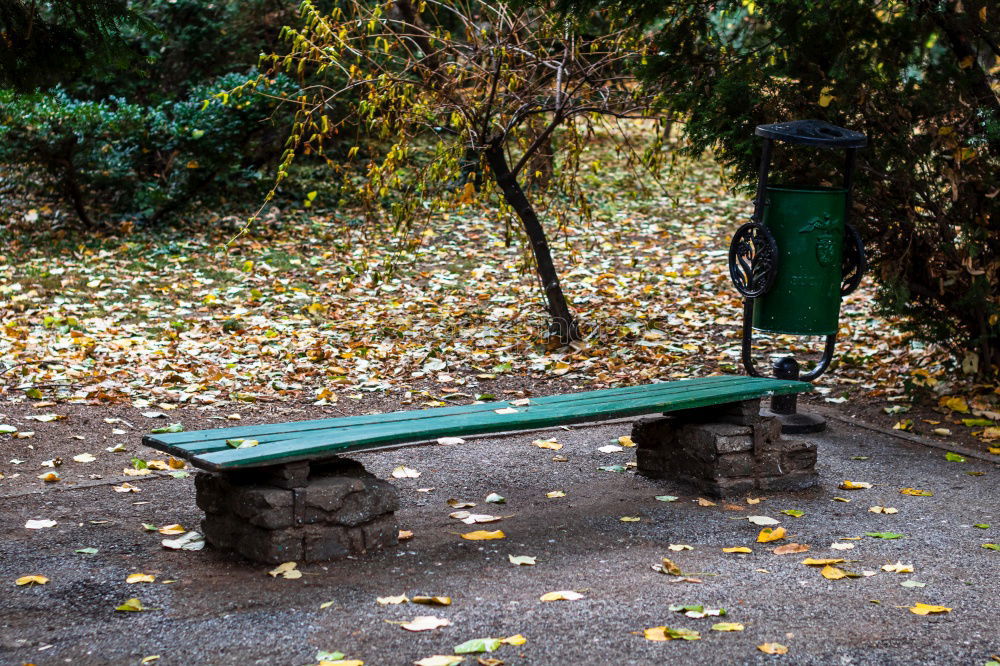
(785, 407)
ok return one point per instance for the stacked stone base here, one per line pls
(724, 450)
(297, 512)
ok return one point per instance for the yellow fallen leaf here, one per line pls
(898, 567)
(516, 639)
(285, 570)
(704, 502)
(955, 403)
(789, 548)
(425, 623)
(550, 444)
(924, 609)
(140, 578)
(995, 450)
(728, 626)
(855, 485)
(125, 488)
(754, 500)
(737, 549)
(814, 562)
(768, 534)
(32, 580)
(483, 535)
(626, 441)
(773, 648)
(432, 601)
(630, 519)
(172, 529)
(555, 494)
(50, 477)
(389, 601)
(841, 499)
(174, 463)
(833, 573)
(160, 465)
(404, 535)
(916, 492)
(825, 97)
(668, 567)
(561, 595)
(882, 509)
(668, 634)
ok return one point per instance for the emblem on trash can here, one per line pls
(826, 239)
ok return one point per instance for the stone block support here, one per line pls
(298, 512)
(724, 450)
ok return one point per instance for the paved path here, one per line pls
(223, 610)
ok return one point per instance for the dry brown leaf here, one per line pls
(790, 548)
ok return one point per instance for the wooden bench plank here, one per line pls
(325, 437)
(204, 441)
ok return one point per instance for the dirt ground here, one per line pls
(212, 607)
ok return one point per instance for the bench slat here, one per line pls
(205, 441)
(325, 437)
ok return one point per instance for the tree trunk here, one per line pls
(563, 324)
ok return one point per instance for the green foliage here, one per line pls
(42, 43)
(141, 141)
(138, 159)
(919, 78)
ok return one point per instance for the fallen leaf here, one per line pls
(522, 560)
(84, 458)
(49, 477)
(790, 548)
(187, 541)
(440, 660)
(955, 403)
(550, 444)
(610, 468)
(898, 567)
(172, 530)
(677, 547)
(450, 441)
(762, 520)
(771, 534)
(704, 502)
(125, 488)
(668, 634)
(841, 546)
(916, 492)
(403, 472)
(954, 457)
(727, 626)
(506, 410)
(477, 645)
(45, 418)
(982, 526)
(132, 605)
(483, 535)
(737, 549)
(884, 535)
(404, 535)
(925, 609)
(610, 448)
(86, 551)
(630, 519)
(40, 524)
(667, 498)
(667, 566)
(626, 441)
(285, 570)
(754, 500)
(425, 623)
(841, 499)
(494, 498)
(459, 504)
(814, 562)
(773, 648)
(140, 578)
(555, 493)
(913, 584)
(795, 513)
(883, 509)
(390, 601)
(855, 485)
(561, 595)
(833, 573)
(32, 580)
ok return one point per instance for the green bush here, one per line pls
(138, 160)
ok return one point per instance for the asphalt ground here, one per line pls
(221, 609)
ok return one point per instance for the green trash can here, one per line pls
(808, 227)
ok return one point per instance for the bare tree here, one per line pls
(448, 85)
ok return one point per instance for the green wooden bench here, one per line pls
(281, 492)
(215, 450)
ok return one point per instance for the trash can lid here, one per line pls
(814, 133)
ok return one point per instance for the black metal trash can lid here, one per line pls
(814, 133)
